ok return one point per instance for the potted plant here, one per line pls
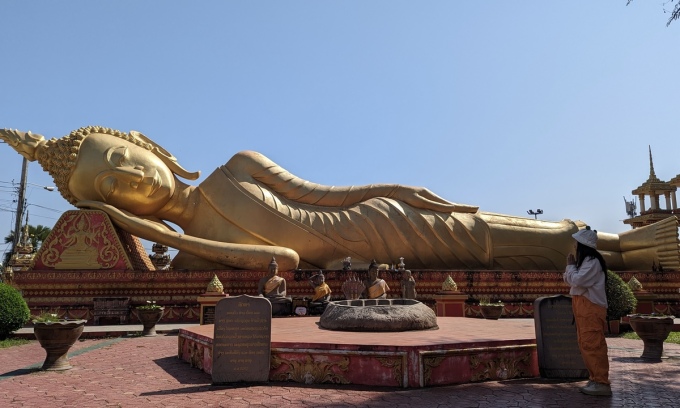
(490, 310)
(149, 314)
(653, 329)
(56, 336)
(620, 300)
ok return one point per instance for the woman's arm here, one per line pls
(585, 276)
(242, 256)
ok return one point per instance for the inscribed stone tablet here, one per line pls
(556, 341)
(208, 316)
(242, 341)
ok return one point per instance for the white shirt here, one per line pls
(588, 281)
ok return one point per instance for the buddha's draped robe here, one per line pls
(272, 284)
(377, 289)
(276, 208)
(321, 291)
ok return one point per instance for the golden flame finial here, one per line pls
(215, 286)
(634, 284)
(449, 285)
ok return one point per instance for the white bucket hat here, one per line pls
(587, 237)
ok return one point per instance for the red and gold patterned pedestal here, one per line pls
(450, 304)
(208, 302)
(645, 304)
(458, 352)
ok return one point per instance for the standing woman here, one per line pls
(586, 274)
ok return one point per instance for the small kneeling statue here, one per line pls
(273, 287)
(322, 294)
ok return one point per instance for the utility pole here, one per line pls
(20, 204)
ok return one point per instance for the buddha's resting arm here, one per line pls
(254, 166)
(244, 256)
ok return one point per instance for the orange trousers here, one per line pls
(590, 327)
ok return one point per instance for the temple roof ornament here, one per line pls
(654, 188)
(675, 181)
(653, 185)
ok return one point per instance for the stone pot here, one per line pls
(149, 318)
(653, 330)
(57, 338)
(491, 312)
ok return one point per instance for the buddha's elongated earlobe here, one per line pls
(166, 157)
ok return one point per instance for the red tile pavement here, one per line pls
(145, 372)
(452, 330)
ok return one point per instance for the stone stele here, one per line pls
(558, 352)
(242, 340)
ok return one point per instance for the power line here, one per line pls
(43, 216)
(45, 208)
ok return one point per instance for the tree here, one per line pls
(675, 13)
(37, 235)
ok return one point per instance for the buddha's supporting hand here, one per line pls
(243, 256)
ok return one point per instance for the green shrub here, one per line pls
(620, 297)
(14, 311)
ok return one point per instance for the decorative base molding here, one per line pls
(72, 291)
(431, 362)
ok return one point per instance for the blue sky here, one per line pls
(507, 105)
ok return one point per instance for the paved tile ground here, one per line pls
(145, 372)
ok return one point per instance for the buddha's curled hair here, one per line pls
(58, 156)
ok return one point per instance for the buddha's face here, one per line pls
(273, 270)
(122, 174)
(318, 280)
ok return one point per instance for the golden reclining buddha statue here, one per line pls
(251, 209)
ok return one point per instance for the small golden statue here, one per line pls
(322, 293)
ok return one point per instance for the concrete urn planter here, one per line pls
(491, 312)
(653, 330)
(57, 338)
(149, 318)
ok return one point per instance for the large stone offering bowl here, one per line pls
(378, 315)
